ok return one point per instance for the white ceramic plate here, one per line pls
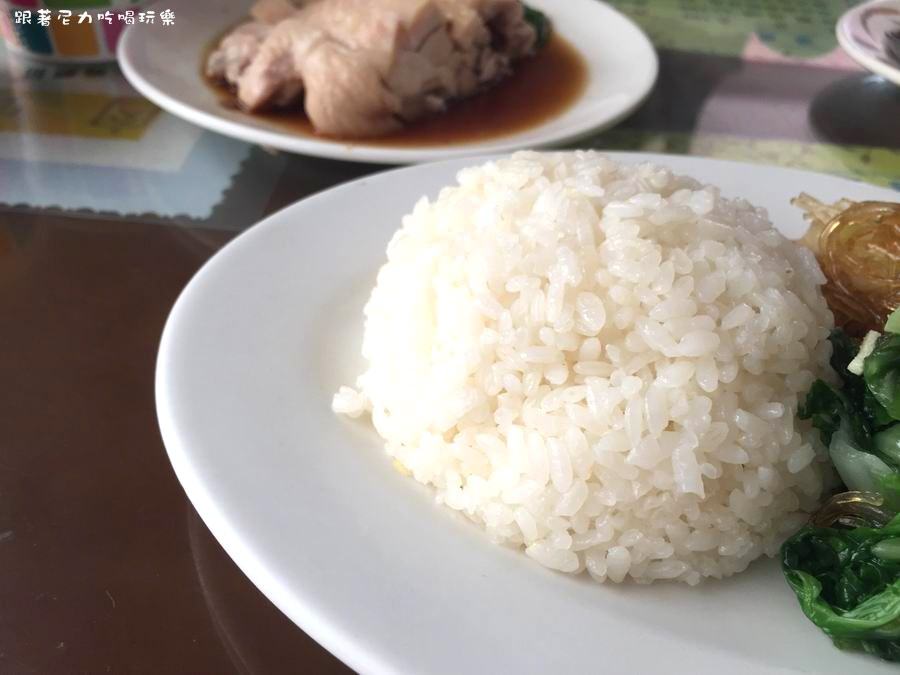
(164, 65)
(862, 33)
(309, 507)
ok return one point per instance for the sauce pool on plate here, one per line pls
(540, 88)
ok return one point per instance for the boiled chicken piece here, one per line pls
(366, 67)
(236, 51)
(273, 11)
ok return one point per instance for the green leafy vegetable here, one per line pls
(860, 398)
(864, 471)
(541, 23)
(893, 322)
(852, 405)
(888, 549)
(860, 470)
(887, 444)
(848, 584)
(844, 350)
(856, 403)
(881, 371)
(878, 416)
(826, 408)
(847, 579)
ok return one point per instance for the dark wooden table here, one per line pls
(104, 565)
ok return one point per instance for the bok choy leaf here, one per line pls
(847, 576)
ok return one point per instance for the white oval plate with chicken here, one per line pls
(310, 507)
(166, 64)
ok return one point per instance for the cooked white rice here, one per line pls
(602, 364)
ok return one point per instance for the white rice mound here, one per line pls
(602, 364)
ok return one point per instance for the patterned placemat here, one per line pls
(79, 137)
(762, 81)
(788, 29)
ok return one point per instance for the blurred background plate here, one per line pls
(165, 66)
(870, 33)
